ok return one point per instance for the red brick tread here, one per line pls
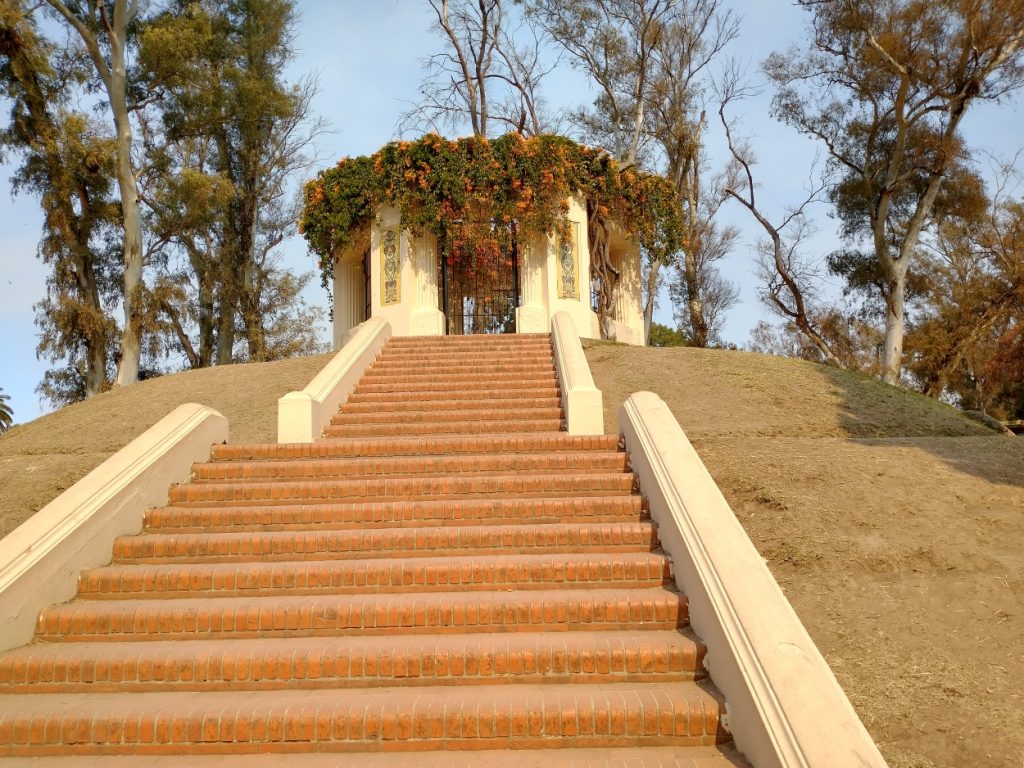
(442, 717)
(309, 662)
(616, 757)
(486, 340)
(639, 536)
(377, 514)
(458, 388)
(446, 403)
(428, 542)
(562, 461)
(306, 615)
(408, 487)
(442, 358)
(408, 418)
(443, 428)
(463, 366)
(485, 396)
(509, 442)
(297, 577)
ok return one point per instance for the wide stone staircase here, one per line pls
(445, 579)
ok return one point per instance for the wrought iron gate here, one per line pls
(480, 300)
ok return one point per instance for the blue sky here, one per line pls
(368, 56)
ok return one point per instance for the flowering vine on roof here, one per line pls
(477, 194)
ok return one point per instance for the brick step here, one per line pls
(621, 570)
(437, 717)
(393, 542)
(478, 427)
(722, 756)
(447, 404)
(583, 461)
(404, 367)
(321, 615)
(441, 415)
(422, 376)
(459, 390)
(513, 394)
(344, 662)
(410, 487)
(542, 356)
(493, 340)
(457, 357)
(589, 509)
(424, 445)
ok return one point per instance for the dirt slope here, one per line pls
(893, 524)
(40, 459)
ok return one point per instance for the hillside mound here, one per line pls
(892, 522)
(42, 458)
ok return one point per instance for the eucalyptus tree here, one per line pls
(786, 275)
(69, 162)
(104, 29)
(488, 73)
(227, 140)
(695, 37)
(649, 62)
(884, 86)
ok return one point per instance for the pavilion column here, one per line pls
(349, 295)
(532, 314)
(427, 319)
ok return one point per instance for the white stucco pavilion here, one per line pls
(396, 275)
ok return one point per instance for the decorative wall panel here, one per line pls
(390, 267)
(569, 263)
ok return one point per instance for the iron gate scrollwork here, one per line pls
(480, 298)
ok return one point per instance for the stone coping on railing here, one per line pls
(41, 559)
(581, 400)
(303, 415)
(784, 706)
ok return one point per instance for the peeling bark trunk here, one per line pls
(895, 326)
(602, 269)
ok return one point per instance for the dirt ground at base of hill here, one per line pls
(893, 525)
(44, 457)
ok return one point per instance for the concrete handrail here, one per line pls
(302, 415)
(41, 559)
(784, 706)
(582, 401)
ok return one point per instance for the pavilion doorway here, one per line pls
(480, 300)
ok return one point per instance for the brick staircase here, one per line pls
(446, 570)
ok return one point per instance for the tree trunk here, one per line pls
(652, 295)
(226, 325)
(131, 342)
(601, 267)
(895, 325)
(694, 303)
(95, 336)
(206, 320)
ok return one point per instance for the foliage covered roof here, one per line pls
(477, 193)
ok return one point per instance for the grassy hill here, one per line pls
(893, 523)
(40, 459)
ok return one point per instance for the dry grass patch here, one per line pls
(42, 458)
(893, 524)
